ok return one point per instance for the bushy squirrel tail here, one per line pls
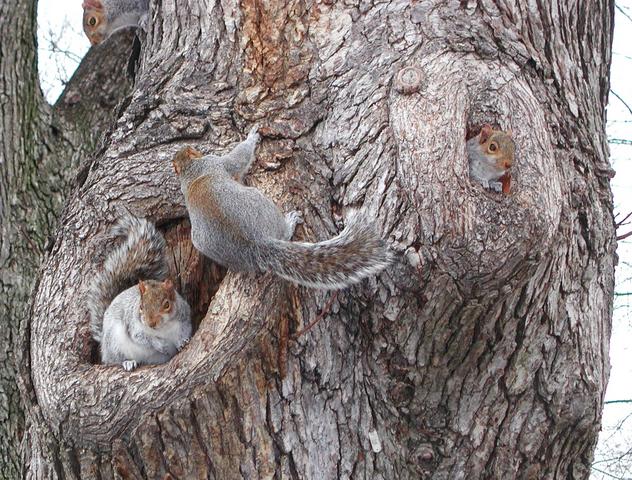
(140, 256)
(353, 255)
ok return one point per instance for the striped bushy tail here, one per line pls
(140, 256)
(336, 263)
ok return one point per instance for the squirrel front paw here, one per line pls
(143, 21)
(253, 135)
(496, 186)
(129, 365)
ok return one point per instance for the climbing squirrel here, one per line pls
(491, 155)
(243, 230)
(137, 323)
(101, 18)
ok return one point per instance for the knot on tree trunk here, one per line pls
(473, 234)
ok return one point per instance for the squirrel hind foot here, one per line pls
(129, 365)
(293, 219)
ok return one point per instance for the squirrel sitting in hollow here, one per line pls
(101, 18)
(240, 228)
(491, 156)
(136, 314)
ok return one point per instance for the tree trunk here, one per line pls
(40, 149)
(481, 353)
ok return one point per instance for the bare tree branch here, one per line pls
(609, 474)
(624, 236)
(621, 100)
(621, 223)
(623, 12)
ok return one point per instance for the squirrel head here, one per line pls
(184, 158)
(498, 146)
(94, 21)
(157, 301)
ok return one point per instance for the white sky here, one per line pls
(61, 42)
(616, 436)
(62, 25)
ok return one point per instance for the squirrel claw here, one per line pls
(496, 186)
(129, 365)
(295, 217)
(253, 135)
(143, 22)
(184, 344)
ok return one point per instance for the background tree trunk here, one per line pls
(40, 149)
(481, 353)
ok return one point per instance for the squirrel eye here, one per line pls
(166, 305)
(493, 147)
(92, 22)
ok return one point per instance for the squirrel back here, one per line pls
(356, 253)
(242, 229)
(141, 255)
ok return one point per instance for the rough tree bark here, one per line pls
(481, 353)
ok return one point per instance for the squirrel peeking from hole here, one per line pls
(136, 314)
(491, 156)
(101, 18)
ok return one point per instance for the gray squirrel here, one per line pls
(491, 156)
(101, 18)
(240, 228)
(137, 323)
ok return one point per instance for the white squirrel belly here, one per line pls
(481, 170)
(128, 348)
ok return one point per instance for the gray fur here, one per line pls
(140, 256)
(125, 13)
(126, 340)
(249, 232)
(114, 300)
(336, 263)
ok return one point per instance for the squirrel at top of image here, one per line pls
(101, 18)
(242, 229)
(491, 156)
(136, 314)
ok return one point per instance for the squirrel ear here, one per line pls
(168, 284)
(141, 287)
(92, 4)
(193, 153)
(486, 132)
(509, 133)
